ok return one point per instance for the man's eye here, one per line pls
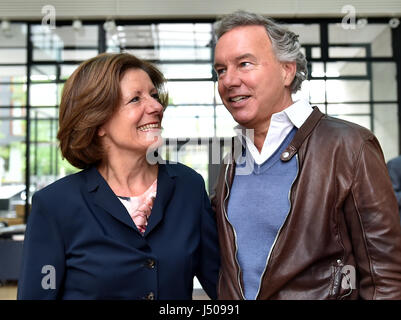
(220, 71)
(245, 64)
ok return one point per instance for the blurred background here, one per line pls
(353, 49)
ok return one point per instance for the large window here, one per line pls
(352, 75)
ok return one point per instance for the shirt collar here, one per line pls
(297, 113)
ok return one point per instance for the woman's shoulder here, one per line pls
(62, 186)
(181, 170)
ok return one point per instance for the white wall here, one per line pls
(32, 9)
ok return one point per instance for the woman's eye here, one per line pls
(135, 99)
(156, 96)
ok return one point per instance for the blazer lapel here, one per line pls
(165, 190)
(105, 198)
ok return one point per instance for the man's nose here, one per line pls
(231, 79)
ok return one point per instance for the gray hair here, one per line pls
(284, 42)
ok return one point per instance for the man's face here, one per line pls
(252, 84)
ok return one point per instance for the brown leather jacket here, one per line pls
(342, 235)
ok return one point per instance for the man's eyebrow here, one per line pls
(242, 56)
(246, 56)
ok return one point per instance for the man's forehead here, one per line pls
(242, 41)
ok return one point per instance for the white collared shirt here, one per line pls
(281, 124)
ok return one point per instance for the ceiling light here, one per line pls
(109, 26)
(6, 28)
(362, 22)
(394, 23)
(77, 24)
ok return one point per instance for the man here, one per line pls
(394, 170)
(315, 217)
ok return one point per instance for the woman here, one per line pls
(122, 228)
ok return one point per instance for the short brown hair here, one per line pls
(90, 98)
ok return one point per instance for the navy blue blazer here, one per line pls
(81, 243)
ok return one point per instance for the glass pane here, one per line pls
(64, 36)
(60, 87)
(308, 33)
(43, 94)
(64, 166)
(49, 44)
(194, 92)
(188, 121)
(12, 55)
(316, 52)
(79, 55)
(386, 128)
(58, 54)
(127, 36)
(44, 113)
(67, 70)
(225, 123)
(184, 53)
(303, 93)
(184, 34)
(344, 68)
(186, 71)
(339, 109)
(318, 69)
(15, 36)
(43, 160)
(384, 81)
(165, 41)
(217, 95)
(321, 107)
(347, 52)
(12, 153)
(12, 148)
(194, 154)
(348, 90)
(12, 94)
(146, 54)
(12, 74)
(378, 36)
(43, 73)
(196, 157)
(316, 89)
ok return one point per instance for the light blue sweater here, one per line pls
(257, 207)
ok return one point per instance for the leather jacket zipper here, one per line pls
(278, 233)
(235, 235)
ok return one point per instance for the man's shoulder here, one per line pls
(338, 128)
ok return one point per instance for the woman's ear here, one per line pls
(101, 132)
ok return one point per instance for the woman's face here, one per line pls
(136, 125)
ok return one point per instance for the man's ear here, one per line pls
(289, 69)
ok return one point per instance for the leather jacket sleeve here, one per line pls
(372, 218)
